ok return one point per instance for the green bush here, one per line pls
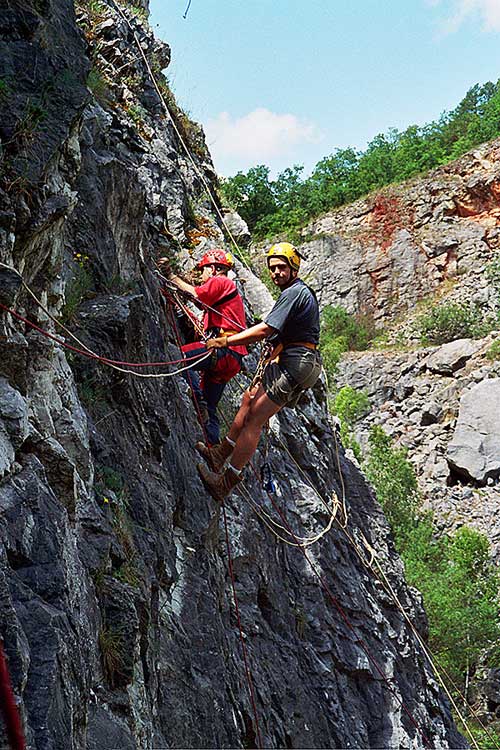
(341, 332)
(394, 481)
(350, 405)
(458, 582)
(460, 587)
(98, 84)
(357, 330)
(78, 289)
(493, 352)
(332, 350)
(449, 321)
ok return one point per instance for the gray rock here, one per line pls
(113, 563)
(474, 450)
(430, 413)
(14, 413)
(238, 227)
(452, 356)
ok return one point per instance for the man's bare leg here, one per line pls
(242, 414)
(251, 418)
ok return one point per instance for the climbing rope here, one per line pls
(198, 171)
(8, 706)
(248, 673)
(369, 562)
(349, 625)
(110, 362)
(85, 351)
(299, 543)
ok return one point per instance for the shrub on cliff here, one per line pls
(449, 321)
(460, 587)
(393, 478)
(341, 332)
(350, 405)
(459, 583)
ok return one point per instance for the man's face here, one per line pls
(207, 273)
(280, 271)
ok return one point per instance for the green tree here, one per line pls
(273, 207)
(251, 194)
(394, 481)
(350, 405)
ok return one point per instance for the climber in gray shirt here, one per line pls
(292, 326)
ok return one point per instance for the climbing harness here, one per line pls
(173, 288)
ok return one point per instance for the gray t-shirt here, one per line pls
(295, 316)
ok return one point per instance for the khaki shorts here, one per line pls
(298, 368)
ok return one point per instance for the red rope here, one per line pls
(229, 557)
(8, 706)
(92, 355)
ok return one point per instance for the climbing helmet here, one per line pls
(216, 257)
(287, 251)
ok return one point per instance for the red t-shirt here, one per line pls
(230, 316)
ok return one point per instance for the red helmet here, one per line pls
(216, 257)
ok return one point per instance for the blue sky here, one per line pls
(283, 82)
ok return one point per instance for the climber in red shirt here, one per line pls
(219, 292)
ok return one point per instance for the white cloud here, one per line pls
(488, 10)
(259, 136)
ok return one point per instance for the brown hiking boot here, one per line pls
(218, 485)
(216, 455)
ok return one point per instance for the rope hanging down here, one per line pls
(343, 615)
(371, 563)
(248, 673)
(198, 171)
(8, 706)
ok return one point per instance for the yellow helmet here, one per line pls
(287, 251)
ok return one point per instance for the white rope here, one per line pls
(181, 139)
(96, 356)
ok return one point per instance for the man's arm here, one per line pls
(248, 336)
(166, 270)
(183, 285)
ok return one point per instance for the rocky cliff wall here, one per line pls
(443, 405)
(381, 255)
(116, 608)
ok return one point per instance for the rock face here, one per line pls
(116, 604)
(381, 255)
(442, 405)
(474, 449)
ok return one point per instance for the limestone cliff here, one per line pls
(381, 255)
(116, 604)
